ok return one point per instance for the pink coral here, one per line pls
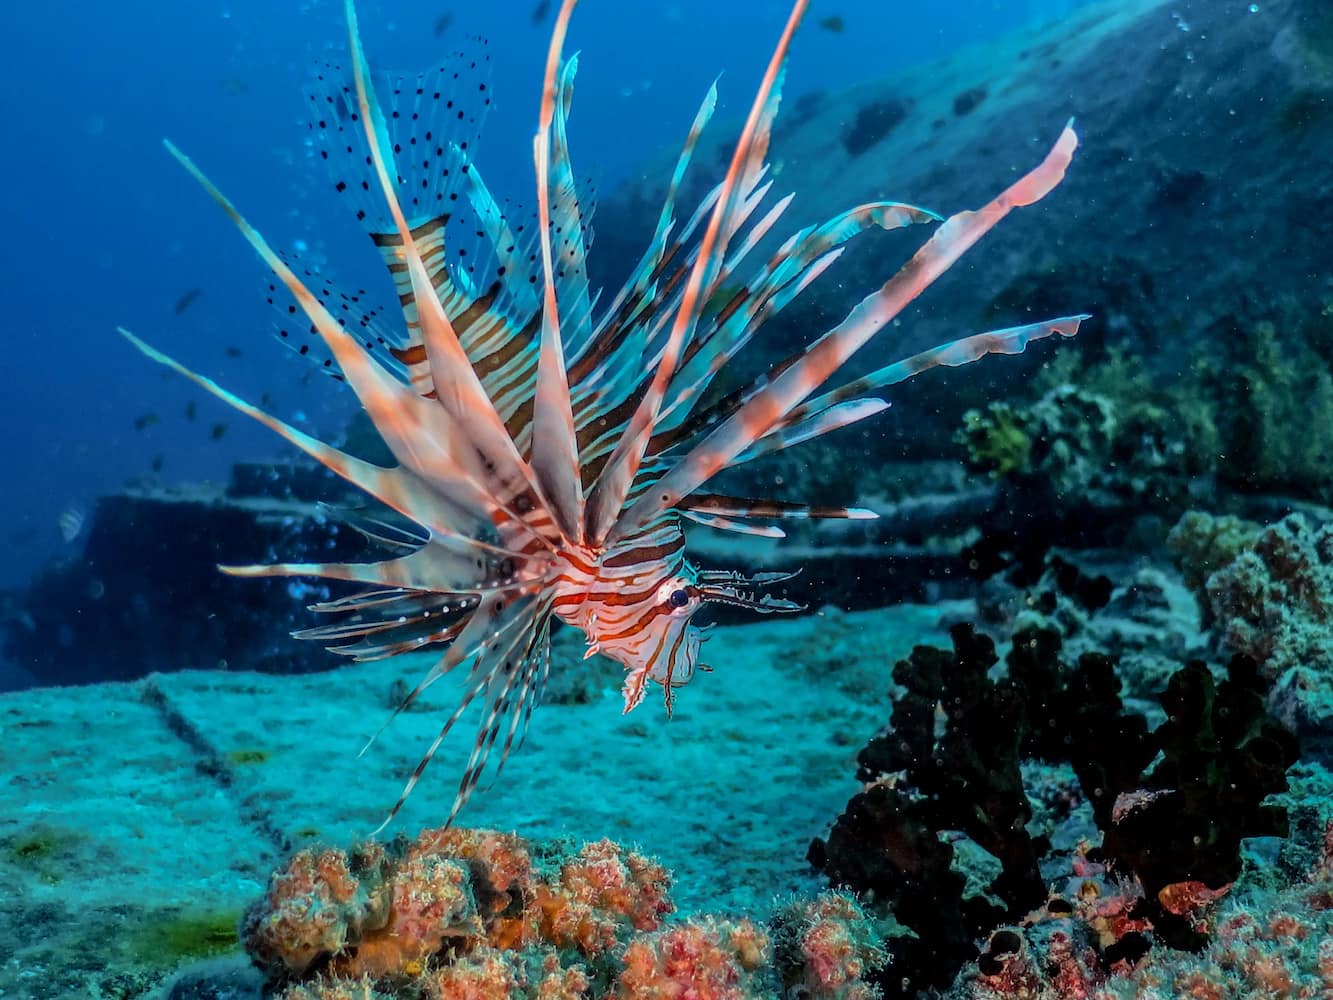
(706, 960)
(488, 973)
(371, 916)
(469, 915)
(599, 893)
(1263, 945)
(826, 946)
(361, 988)
(431, 902)
(307, 912)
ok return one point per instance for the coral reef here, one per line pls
(462, 914)
(953, 772)
(1269, 593)
(1275, 407)
(1261, 943)
(1203, 543)
(1097, 435)
(708, 958)
(825, 947)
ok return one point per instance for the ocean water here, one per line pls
(1008, 674)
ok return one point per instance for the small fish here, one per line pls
(540, 11)
(70, 523)
(186, 300)
(145, 421)
(834, 24)
(442, 24)
(218, 431)
(551, 443)
(232, 352)
(158, 462)
(191, 410)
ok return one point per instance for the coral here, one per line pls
(1203, 543)
(600, 893)
(502, 877)
(1273, 602)
(1221, 756)
(967, 778)
(1264, 943)
(996, 440)
(371, 914)
(1077, 445)
(361, 988)
(709, 959)
(1277, 415)
(1173, 803)
(823, 948)
(314, 908)
(476, 914)
(488, 972)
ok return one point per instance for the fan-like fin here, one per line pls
(436, 566)
(459, 513)
(613, 485)
(570, 221)
(1013, 340)
(492, 627)
(555, 456)
(748, 507)
(637, 289)
(493, 454)
(416, 432)
(721, 523)
(816, 425)
(768, 407)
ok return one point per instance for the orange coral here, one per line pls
(489, 974)
(305, 912)
(599, 892)
(469, 915)
(708, 960)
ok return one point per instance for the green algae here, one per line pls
(171, 937)
(995, 440)
(44, 852)
(248, 756)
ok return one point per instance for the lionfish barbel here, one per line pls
(547, 448)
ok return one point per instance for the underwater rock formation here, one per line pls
(954, 770)
(145, 594)
(1269, 593)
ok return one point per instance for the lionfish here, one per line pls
(548, 446)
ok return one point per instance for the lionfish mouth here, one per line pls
(722, 586)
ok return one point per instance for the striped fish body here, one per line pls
(549, 446)
(634, 602)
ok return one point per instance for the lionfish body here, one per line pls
(547, 446)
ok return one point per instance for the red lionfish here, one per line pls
(548, 447)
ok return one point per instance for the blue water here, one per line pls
(103, 228)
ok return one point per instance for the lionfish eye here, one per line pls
(679, 598)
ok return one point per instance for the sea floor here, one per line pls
(138, 820)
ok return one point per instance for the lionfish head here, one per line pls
(654, 636)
